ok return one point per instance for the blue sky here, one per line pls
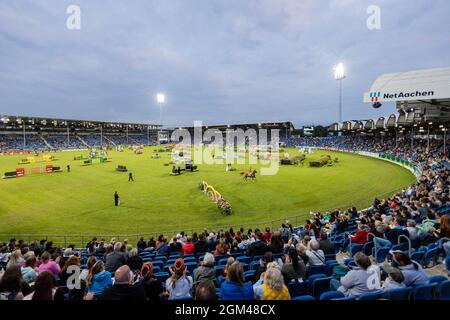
(219, 61)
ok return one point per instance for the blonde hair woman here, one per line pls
(273, 287)
(15, 259)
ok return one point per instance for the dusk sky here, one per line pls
(219, 61)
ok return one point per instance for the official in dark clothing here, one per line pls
(130, 177)
(116, 199)
(68, 168)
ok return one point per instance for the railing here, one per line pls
(374, 240)
(409, 242)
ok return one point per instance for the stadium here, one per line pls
(231, 208)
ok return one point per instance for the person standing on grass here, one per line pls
(116, 199)
(130, 177)
(68, 168)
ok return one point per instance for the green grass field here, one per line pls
(82, 201)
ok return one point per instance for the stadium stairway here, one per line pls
(83, 142)
(109, 140)
(46, 142)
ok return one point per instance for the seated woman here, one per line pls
(235, 287)
(179, 284)
(271, 285)
(365, 278)
(412, 271)
(98, 280)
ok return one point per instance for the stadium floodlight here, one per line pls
(339, 75)
(160, 99)
(339, 71)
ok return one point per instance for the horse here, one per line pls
(249, 175)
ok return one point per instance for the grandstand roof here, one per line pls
(14, 122)
(424, 95)
(409, 86)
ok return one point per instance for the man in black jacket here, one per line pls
(123, 288)
(257, 248)
(399, 229)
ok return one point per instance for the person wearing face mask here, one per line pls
(123, 288)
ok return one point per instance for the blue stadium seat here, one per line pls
(297, 288)
(219, 270)
(430, 256)
(320, 286)
(217, 258)
(418, 256)
(329, 267)
(400, 294)
(381, 254)
(257, 258)
(437, 279)
(329, 257)
(223, 261)
(345, 298)
(371, 296)
(162, 276)
(312, 278)
(190, 259)
(401, 246)
(367, 248)
(447, 263)
(304, 298)
(316, 270)
(243, 259)
(249, 275)
(158, 263)
(191, 266)
(356, 248)
(331, 295)
(424, 292)
(156, 269)
(254, 265)
(443, 290)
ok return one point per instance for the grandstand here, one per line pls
(406, 232)
(44, 134)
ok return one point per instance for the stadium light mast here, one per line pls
(160, 99)
(339, 75)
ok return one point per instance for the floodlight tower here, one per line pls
(339, 75)
(160, 99)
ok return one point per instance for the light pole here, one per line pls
(428, 136)
(160, 99)
(444, 130)
(339, 75)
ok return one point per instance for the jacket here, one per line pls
(413, 276)
(235, 291)
(124, 292)
(100, 282)
(356, 282)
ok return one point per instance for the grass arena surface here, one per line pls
(82, 201)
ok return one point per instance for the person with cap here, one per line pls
(152, 286)
(179, 284)
(123, 288)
